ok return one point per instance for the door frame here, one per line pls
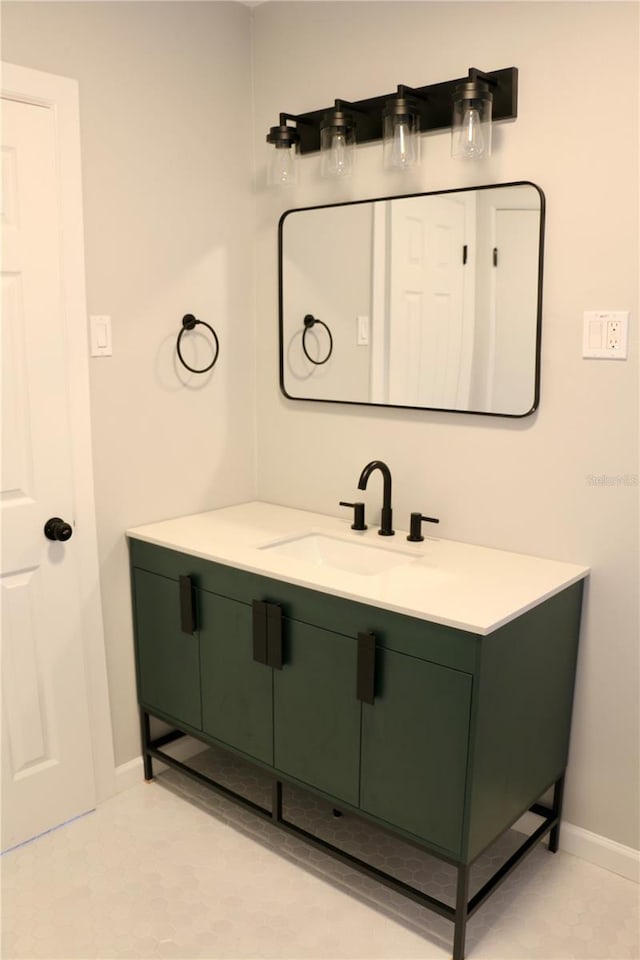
(61, 95)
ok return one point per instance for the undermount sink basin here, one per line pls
(352, 556)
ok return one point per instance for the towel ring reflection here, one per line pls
(188, 323)
(309, 322)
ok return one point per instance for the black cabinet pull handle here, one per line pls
(274, 635)
(267, 633)
(366, 669)
(260, 647)
(187, 609)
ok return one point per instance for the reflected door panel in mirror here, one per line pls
(433, 300)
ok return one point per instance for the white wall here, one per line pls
(520, 485)
(164, 89)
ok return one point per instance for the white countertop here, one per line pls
(445, 581)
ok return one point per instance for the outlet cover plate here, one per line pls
(605, 334)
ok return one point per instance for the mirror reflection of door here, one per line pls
(430, 336)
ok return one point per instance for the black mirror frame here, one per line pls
(399, 406)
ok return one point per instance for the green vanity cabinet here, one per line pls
(463, 730)
(442, 735)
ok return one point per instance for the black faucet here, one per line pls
(386, 530)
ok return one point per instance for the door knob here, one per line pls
(57, 529)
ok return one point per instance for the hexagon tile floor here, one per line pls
(170, 869)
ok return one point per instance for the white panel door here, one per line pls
(426, 304)
(47, 770)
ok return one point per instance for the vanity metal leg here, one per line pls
(462, 906)
(146, 741)
(554, 835)
(276, 801)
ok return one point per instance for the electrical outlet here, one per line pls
(613, 335)
(604, 334)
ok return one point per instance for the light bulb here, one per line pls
(471, 125)
(337, 144)
(473, 145)
(339, 162)
(337, 155)
(401, 124)
(403, 153)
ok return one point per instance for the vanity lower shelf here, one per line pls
(464, 905)
(439, 735)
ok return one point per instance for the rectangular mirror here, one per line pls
(429, 301)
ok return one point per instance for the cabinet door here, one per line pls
(237, 691)
(414, 748)
(316, 713)
(168, 659)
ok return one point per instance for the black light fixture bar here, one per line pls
(434, 105)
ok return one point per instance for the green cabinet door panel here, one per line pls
(414, 748)
(168, 659)
(316, 713)
(236, 691)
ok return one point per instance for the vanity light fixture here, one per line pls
(466, 106)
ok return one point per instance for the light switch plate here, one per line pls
(362, 331)
(100, 329)
(605, 334)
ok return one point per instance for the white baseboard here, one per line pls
(131, 773)
(598, 850)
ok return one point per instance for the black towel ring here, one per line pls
(309, 322)
(188, 323)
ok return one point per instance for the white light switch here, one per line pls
(604, 334)
(100, 327)
(363, 331)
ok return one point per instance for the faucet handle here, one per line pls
(358, 515)
(415, 526)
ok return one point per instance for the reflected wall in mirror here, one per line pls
(432, 300)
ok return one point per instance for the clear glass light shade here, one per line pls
(337, 151)
(471, 128)
(283, 168)
(401, 142)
